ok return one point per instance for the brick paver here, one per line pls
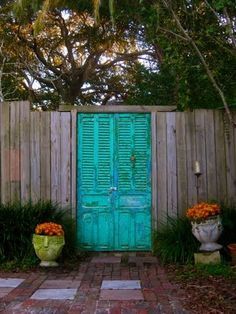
(154, 295)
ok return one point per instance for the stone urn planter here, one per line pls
(208, 232)
(48, 248)
(48, 242)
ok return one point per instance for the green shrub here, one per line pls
(17, 223)
(173, 242)
(228, 216)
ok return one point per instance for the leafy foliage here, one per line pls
(229, 225)
(18, 222)
(174, 242)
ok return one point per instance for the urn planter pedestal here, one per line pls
(208, 232)
(48, 248)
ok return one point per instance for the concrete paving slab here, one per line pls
(10, 282)
(106, 260)
(54, 294)
(60, 284)
(121, 284)
(121, 295)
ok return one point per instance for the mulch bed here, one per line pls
(204, 293)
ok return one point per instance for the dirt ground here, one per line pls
(205, 293)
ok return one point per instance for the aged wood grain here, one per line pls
(74, 150)
(171, 165)
(25, 175)
(154, 170)
(220, 156)
(65, 186)
(201, 154)
(115, 109)
(210, 155)
(45, 155)
(182, 176)
(191, 157)
(35, 156)
(5, 153)
(162, 194)
(55, 156)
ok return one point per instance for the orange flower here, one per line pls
(202, 211)
(49, 228)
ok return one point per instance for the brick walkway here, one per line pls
(102, 285)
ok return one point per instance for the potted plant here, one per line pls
(48, 242)
(232, 249)
(206, 225)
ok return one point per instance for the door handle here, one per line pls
(113, 188)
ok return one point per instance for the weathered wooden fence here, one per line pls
(38, 157)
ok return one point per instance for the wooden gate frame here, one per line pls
(126, 109)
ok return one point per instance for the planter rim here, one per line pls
(45, 235)
(211, 218)
(232, 246)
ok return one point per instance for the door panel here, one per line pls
(114, 182)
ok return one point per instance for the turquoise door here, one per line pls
(114, 182)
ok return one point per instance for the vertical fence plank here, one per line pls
(182, 176)
(161, 168)
(45, 155)
(220, 157)
(74, 150)
(1, 105)
(230, 162)
(14, 151)
(5, 152)
(55, 156)
(201, 154)
(171, 164)
(210, 155)
(25, 151)
(35, 155)
(65, 186)
(154, 169)
(191, 157)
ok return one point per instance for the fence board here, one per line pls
(171, 165)
(191, 157)
(5, 153)
(201, 154)
(65, 159)
(73, 160)
(14, 151)
(35, 155)
(25, 151)
(230, 162)
(1, 104)
(220, 157)
(154, 169)
(55, 156)
(182, 176)
(45, 155)
(210, 155)
(161, 168)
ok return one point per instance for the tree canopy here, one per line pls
(90, 51)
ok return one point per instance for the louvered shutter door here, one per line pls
(95, 219)
(133, 164)
(114, 183)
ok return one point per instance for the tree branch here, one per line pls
(205, 65)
